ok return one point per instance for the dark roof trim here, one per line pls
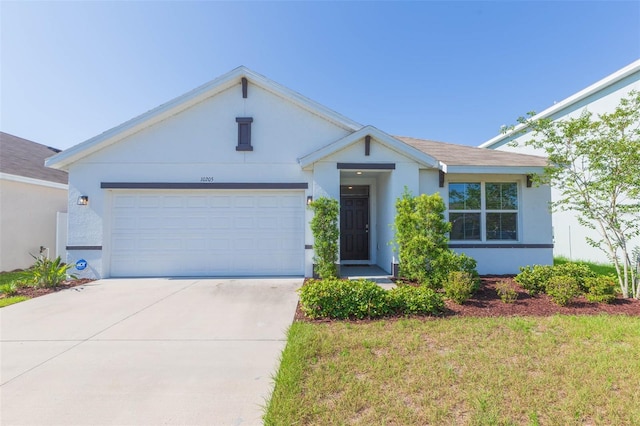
(367, 166)
(503, 246)
(201, 185)
(84, 247)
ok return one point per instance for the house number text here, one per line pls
(206, 179)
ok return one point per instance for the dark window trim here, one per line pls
(201, 185)
(503, 246)
(84, 247)
(244, 143)
(244, 87)
(367, 145)
(308, 246)
(367, 166)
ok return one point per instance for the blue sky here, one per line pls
(449, 71)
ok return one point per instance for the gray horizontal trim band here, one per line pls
(203, 185)
(84, 247)
(367, 166)
(308, 246)
(503, 246)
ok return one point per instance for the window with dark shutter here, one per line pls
(244, 133)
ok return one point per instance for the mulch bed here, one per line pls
(486, 303)
(32, 292)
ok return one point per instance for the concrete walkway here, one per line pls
(145, 352)
(368, 272)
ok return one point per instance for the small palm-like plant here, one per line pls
(50, 273)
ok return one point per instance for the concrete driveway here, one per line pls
(145, 352)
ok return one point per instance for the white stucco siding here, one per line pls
(207, 133)
(27, 221)
(386, 217)
(429, 181)
(504, 261)
(569, 235)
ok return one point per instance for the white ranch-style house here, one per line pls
(216, 183)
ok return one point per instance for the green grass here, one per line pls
(559, 370)
(7, 277)
(11, 277)
(11, 300)
(598, 268)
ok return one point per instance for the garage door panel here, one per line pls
(172, 202)
(149, 202)
(197, 202)
(246, 222)
(244, 201)
(217, 233)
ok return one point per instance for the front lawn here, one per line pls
(8, 277)
(518, 370)
(598, 268)
(6, 301)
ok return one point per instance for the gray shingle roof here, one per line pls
(25, 158)
(462, 155)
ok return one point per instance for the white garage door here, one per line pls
(212, 233)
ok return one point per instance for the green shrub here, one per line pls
(534, 279)
(460, 286)
(421, 239)
(563, 289)
(50, 273)
(420, 233)
(342, 299)
(579, 271)
(409, 300)
(507, 292)
(324, 226)
(601, 289)
(9, 289)
(447, 262)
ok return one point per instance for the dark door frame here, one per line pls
(355, 219)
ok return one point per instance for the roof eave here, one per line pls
(384, 138)
(496, 170)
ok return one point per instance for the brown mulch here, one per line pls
(32, 292)
(486, 303)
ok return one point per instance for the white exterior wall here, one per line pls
(569, 235)
(28, 221)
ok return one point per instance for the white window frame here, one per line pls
(483, 211)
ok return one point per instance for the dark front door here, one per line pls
(354, 228)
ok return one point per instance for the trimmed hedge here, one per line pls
(409, 300)
(345, 299)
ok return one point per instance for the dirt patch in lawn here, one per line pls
(32, 292)
(486, 303)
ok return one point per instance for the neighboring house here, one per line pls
(601, 97)
(216, 183)
(30, 197)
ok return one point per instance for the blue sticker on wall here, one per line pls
(81, 264)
